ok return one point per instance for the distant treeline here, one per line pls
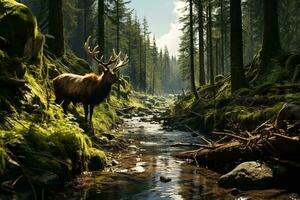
(113, 25)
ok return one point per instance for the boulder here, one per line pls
(19, 37)
(248, 175)
(18, 28)
(97, 160)
(289, 112)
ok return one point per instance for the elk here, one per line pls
(90, 89)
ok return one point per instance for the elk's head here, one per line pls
(110, 74)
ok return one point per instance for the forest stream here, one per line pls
(81, 116)
(147, 169)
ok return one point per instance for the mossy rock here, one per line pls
(17, 26)
(97, 160)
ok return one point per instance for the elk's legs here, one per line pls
(65, 105)
(86, 111)
(91, 114)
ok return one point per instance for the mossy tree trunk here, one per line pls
(271, 39)
(238, 79)
(56, 28)
(192, 64)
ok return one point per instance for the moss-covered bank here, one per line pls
(40, 147)
(275, 91)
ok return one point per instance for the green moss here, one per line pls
(293, 98)
(36, 88)
(35, 130)
(97, 159)
(224, 91)
(71, 63)
(277, 74)
(249, 117)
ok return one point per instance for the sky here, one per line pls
(162, 17)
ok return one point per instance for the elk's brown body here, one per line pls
(90, 89)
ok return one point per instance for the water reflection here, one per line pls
(138, 174)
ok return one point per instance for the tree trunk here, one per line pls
(145, 70)
(207, 48)
(226, 55)
(192, 64)
(118, 39)
(271, 40)
(140, 64)
(211, 67)
(85, 18)
(237, 72)
(201, 44)
(145, 61)
(222, 37)
(217, 56)
(153, 79)
(56, 28)
(251, 45)
(101, 40)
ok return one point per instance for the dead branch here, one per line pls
(231, 135)
(13, 82)
(196, 133)
(195, 145)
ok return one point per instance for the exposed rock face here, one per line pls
(248, 175)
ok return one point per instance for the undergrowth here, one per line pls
(247, 108)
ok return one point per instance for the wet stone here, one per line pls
(165, 179)
(234, 192)
(132, 147)
(114, 162)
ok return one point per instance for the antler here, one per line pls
(121, 63)
(93, 54)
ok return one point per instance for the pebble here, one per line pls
(164, 179)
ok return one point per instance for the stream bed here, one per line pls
(137, 171)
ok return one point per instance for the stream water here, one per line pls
(139, 169)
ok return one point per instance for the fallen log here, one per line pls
(233, 152)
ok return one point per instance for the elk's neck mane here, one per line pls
(101, 84)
